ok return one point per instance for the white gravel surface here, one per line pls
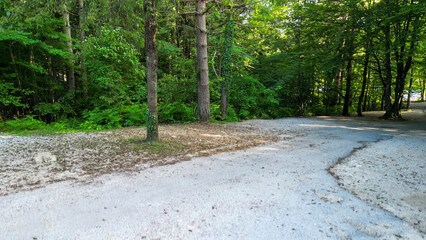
(278, 191)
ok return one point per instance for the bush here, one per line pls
(134, 115)
(175, 112)
(320, 110)
(24, 124)
(129, 115)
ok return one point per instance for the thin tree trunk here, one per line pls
(364, 80)
(151, 69)
(423, 89)
(35, 96)
(367, 94)
(203, 94)
(387, 83)
(51, 79)
(227, 66)
(410, 88)
(70, 67)
(18, 75)
(83, 68)
(15, 69)
(348, 87)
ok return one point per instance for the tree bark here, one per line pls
(410, 88)
(35, 96)
(70, 67)
(387, 83)
(227, 66)
(367, 94)
(203, 93)
(151, 69)
(364, 80)
(83, 68)
(348, 87)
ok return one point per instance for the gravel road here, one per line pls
(326, 178)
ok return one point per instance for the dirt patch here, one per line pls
(33, 161)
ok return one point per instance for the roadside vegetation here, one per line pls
(88, 65)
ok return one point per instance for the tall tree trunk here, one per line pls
(348, 87)
(339, 77)
(227, 65)
(367, 94)
(387, 83)
(410, 88)
(18, 75)
(364, 80)
(70, 66)
(404, 60)
(51, 79)
(82, 37)
(15, 69)
(203, 93)
(151, 69)
(35, 96)
(423, 81)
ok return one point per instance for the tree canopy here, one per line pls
(84, 62)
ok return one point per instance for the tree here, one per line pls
(151, 69)
(203, 92)
(70, 65)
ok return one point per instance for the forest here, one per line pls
(103, 64)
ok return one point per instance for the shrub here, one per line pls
(175, 112)
(24, 124)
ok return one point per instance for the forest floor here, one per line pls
(294, 178)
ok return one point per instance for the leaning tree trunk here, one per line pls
(203, 94)
(70, 67)
(151, 69)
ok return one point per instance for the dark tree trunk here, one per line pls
(151, 69)
(387, 83)
(364, 80)
(15, 69)
(203, 94)
(348, 88)
(34, 86)
(410, 88)
(367, 94)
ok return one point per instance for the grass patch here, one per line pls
(31, 126)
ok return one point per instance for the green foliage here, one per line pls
(175, 112)
(22, 125)
(251, 99)
(9, 95)
(131, 115)
(217, 116)
(114, 70)
(321, 110)
(53, 110)
(275, 58)
(150, 123)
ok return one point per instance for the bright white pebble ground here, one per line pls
(279, 191)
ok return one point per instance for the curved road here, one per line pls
(278, 191)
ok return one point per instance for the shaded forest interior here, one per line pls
(83, 63)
